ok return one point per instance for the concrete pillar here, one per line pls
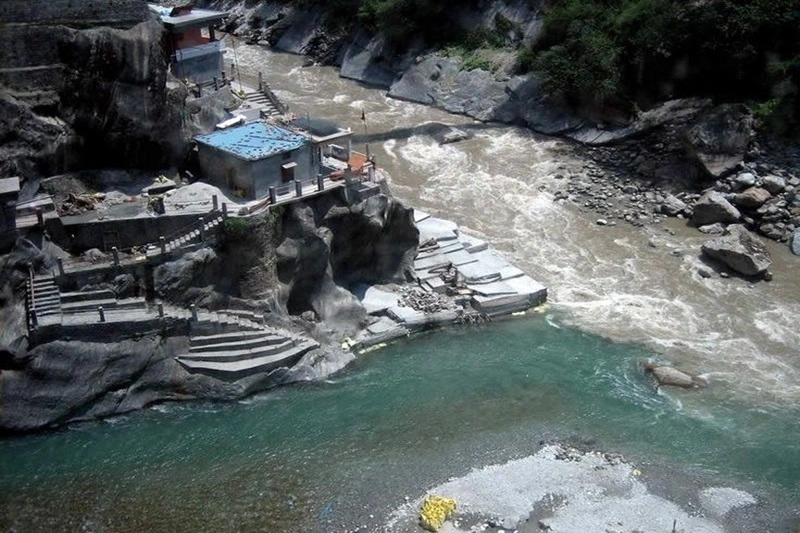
(39, 217)
(115, 253)
(214, 202)
(298, 189)
(273, 195)
(320, 182)
(202, 230)
(224, 211)
(193, 309)
(160, 310)
(60, 263)
(34, 318)
(163, 243)
(102, 313)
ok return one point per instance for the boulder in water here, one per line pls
(667, 375)
(740, 250)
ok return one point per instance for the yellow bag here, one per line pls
(435, 510)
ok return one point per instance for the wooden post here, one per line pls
(216, 84)
(298, 188)
(214, 202)
(224, 211)
(260, 81)
(202, 230)
(115, 253)
(39, 216)
(193, 309)
(273, 195)
(160, 310)
(102, 313)
(34, 319)
(163, 242)
(320, 182)
(60, 263)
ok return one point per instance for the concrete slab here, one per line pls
(376, 301)
(527, 285)
(460, 257)
(497, 288)
(438, 229)
(433, 261)
(404, 314)
(473, 244)
(511, 272)
(9, 186)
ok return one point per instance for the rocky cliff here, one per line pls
(85, 85)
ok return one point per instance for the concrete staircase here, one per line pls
(193, 234)
(260, 100)
(231, 345)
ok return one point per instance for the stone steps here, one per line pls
(234, 351)
(248, 344)
(243, 368)
(232, 336)
(73, 297)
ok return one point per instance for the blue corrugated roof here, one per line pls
(253, 141)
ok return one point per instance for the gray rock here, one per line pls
(740, 250)
(794, 242)
(303, 25)
(672, 206)
(667, 375)
(745, 180)
(718, 139)
(363, 61)
(713, 207)
(752, 198)
(663, 113)
(774, 184)
(712, 228)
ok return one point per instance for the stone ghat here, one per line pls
(460, 280)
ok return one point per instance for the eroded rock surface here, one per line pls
(740, 250)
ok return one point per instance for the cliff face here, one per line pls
(77, 93)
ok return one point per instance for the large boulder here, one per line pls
(173, 280)
(740, 250)
(667, 375)
(752, 198)
(712, 207)
(719, 137)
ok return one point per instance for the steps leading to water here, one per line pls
(241, 367)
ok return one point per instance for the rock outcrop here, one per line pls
(78, 94)
(719, 137)
(711, 208)
(740, 250)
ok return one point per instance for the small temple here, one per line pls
(195, 52)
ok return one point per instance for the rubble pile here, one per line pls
(419, 300)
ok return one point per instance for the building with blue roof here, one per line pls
(254, 157)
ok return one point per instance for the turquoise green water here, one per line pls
(327, 456)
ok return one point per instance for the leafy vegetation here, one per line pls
(643, 50)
